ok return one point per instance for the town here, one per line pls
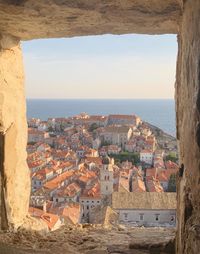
(83, 164)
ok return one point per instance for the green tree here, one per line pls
(171, 157)
(93, 127)
(172, 183)
(126, 156)
(50, 129)
(105, 143)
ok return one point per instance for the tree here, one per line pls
(172, 183)
(62, 127)
(105, 143)
(126, 156)
(171, 157)
(93, 127)
(50, 129)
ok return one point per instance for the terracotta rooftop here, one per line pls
(94, 192)
(138, 185)
(55, 183)
(71, 212)
(96, 160)
(146, 151)
(154, 185)
(48, 218)
(69, 191)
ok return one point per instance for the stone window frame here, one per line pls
(181, 17)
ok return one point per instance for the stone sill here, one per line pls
(90, 239)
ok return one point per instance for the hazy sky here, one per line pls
(109, 66)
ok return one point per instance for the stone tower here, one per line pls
(106, 177)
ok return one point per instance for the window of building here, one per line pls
(125, 216)
(87, 207)
(106, 187)
(141, 216)
(172, 218)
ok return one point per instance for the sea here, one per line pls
(158, 112)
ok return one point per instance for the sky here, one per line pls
(106, 66)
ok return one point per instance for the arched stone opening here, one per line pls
(28, 19)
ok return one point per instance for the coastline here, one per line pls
(158, 112)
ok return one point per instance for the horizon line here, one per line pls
(100, 98)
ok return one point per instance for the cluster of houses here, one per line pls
(73, 171)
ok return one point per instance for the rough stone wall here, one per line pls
(1, 172)
(31, 19)
(188, 129)
(13, 129)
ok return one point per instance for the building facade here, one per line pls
(106, 177)
(146, 156)
(150, 209)
(117, 135)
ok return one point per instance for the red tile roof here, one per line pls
(48, 218)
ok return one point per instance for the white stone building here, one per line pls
(35, 135)
(89, 200)
(150, 209)
(123, 120)
(96, 143)
(146, 156)
(117, 135)
(43, 126)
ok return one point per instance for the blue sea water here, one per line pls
(159, 112)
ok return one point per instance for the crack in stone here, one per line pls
(3, 132)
